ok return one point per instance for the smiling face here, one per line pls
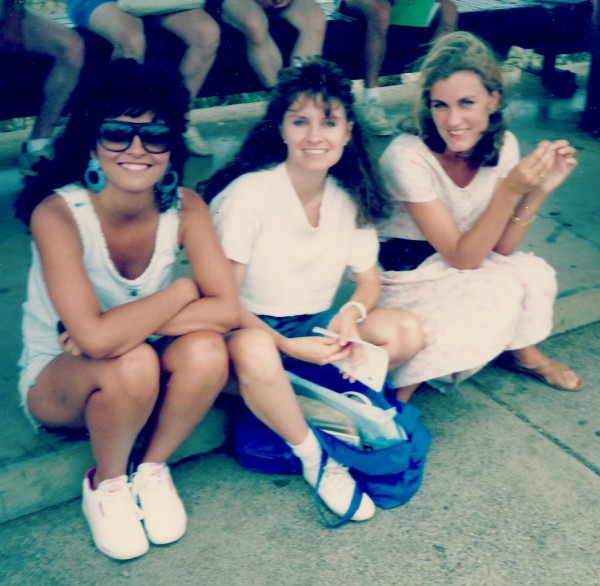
(461, 107)
(133, 169)
(315, 133)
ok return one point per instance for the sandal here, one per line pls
(551, 371)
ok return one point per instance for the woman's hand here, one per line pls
(564, 163)
(68, 345)
(317, 349)
(345, 325)
(532, 170)
(543, 169)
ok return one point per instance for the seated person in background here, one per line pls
(113, 342)
(125, 32)
(294, 209)
(377, 16)
(23, 30)
(465, 201)
(251, 17)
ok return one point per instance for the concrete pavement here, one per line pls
(511, 497)
(511, 494)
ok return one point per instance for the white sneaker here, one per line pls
(165, 520)
(195, 144)
(374, 118)
(114, 518)
(337, 489)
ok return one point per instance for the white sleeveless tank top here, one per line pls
(39, 316)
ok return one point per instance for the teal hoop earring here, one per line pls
(167, 188)
(94, 177)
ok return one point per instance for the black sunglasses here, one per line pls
(117, 136)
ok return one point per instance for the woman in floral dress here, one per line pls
(464, 202)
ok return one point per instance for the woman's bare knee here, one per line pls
(399, 331)
(65, 387)
(133, 377)
(411, 332)
(255, 356)
(198, 353)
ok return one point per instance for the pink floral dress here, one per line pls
(469, 316)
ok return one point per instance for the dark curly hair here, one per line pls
(122, 87)
(264, 147)
(461, 51)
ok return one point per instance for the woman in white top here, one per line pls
(464, 203)
(294, 209)
(112, 342)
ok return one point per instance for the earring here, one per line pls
(167, 188)
(94, 177)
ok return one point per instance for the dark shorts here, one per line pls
(80, 10)
(297, 326)
(399, 254)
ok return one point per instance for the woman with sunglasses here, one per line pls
(112, 342)
(295, 209)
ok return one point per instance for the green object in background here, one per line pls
(418, 13)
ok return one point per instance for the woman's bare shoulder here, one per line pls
(190, 199)
(52, 208)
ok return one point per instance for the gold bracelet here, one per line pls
(516, 220)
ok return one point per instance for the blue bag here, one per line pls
(390, 475)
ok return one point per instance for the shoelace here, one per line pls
(153, 486)
(121, 502)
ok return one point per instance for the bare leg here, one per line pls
(400, 333)
(309, 20)
(41, 35)
(198, 367)
(264, 385)
(403, 394)
(124, 31)
(448, 18)
(396, 330)
(263, 54)
(113, 398)
(201, 34)
(377, 16)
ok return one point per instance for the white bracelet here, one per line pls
(360, 306)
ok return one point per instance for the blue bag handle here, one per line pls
(352, 508)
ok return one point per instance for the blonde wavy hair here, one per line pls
(461, 51)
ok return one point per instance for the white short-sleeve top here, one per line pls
(412, 173)
(293, 268)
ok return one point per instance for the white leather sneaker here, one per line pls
(165, 519)
(374, 119)
(114, 518)
(337, 489)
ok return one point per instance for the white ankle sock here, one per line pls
(309, 451)
(37, 144)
